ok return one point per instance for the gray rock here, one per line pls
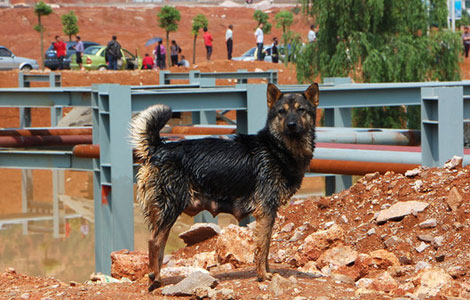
(279, 284)
(188, 286)
(425, 238)
(422, 247)
(421, 265)
(429, 223)
(412, 173)
(437, 242)
(454, 162)
(401, 209)
(78, 116)
(454, 199)
(392, 242)
(199, 232)
(288, 227)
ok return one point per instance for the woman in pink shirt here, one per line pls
(160, 53)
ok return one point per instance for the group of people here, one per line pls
(159, 57)
(113, 52)
(60, 48)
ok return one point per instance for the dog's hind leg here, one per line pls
(156, 252)
(263, 231)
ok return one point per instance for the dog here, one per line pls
(250, 174)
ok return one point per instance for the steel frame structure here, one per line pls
(113, 106)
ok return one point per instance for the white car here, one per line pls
(250, 54)
(9, 61)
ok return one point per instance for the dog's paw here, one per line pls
(265, 276)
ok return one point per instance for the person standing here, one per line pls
(79, 48)
(312, 36)
(113, 53)
(160, 52)
(466, 40)
(207, 36)
(174, 51)
(259, 40)
(61, 50)
(275, 51)
(229, 41)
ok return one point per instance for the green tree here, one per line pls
(284, 20)
(263, 18)
(381, 41)
(69, 24)
(307, 7)
(41, 9)
(200, 21)
(168, 19)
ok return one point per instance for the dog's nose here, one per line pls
(291, 125)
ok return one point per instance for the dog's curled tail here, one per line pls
(145, 129)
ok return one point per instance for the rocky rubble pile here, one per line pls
(392, 235)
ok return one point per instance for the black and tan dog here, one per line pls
(250, 174)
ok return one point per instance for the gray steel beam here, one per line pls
(22, 159)
(44, 97)
(208, 99)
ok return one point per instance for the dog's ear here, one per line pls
(273, 94)
(312, 93)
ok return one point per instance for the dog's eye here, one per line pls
(300, 110)
(282, 111)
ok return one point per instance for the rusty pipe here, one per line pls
(196, 130)
(346, 167)
(46, 131)
(86, 151)
(316, 165)
(55, 140)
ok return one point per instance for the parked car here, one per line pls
(250, 54)
(52, 62)
(94, 59)
(9, 61)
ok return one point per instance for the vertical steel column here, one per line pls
(122, 170)
(244, 80)
(202, 117)
(257, 110)
(103, 239)
(113, 180)
(26, 175)
(442, 117)
(162, 79)
(274, 76)
(337, 117)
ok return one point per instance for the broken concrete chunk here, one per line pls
(401, 209)
(199, 232)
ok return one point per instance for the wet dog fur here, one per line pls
(251, 174)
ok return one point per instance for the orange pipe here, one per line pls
(344, 167)
(56, 140)
(190, 130)
(347, 167)
(46, 132)
(87, 151)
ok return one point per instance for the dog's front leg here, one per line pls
(263, 231)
